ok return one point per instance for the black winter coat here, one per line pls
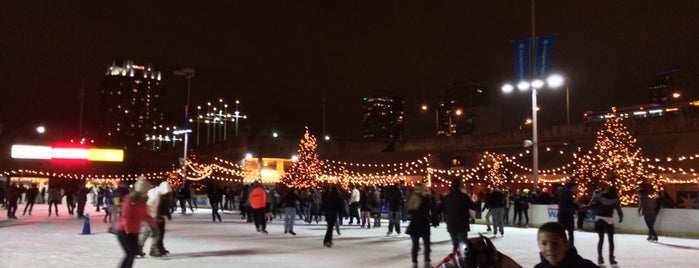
(422, 217)
(571, 260)
(456, 209)
(566, 203)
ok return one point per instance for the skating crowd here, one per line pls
(139, 212)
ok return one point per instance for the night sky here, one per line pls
(280, 57)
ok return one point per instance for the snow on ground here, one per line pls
(195, 241)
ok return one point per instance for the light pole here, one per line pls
(553, 82)
(425, 108)
(187, 73)
(237, 116)
(184, 132)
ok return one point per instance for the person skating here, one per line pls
(648, 208)
(567, 208)
(258, 201)
(456, 209)
(393, 203)
(331, 206)
(55, 196)
(421, 207)
(31, 194)
(496, 205)
(11, 195)
(134, 211)
(289, 202)
(215, 196)
(604, 205)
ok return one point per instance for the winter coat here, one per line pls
(604, 205)
(332, 205)
(421, 217)
(566, 203)
(316, 201)
(154, 199)
(364, 201)
(55, 195)
(571, 260)
(290, 199)
(648, 206)
(132, 214)
(394, 198)
(375, 199)
(495, 199)
(355, 197)
(456, 208)
(522, 201)
(258, 198)
(32, 192)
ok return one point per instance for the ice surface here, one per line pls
(196, 242)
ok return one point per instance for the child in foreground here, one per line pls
(556, 250)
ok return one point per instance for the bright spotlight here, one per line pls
(537, 83)
(40, 129)
(555, 80)
(507, 88)
(523, 85)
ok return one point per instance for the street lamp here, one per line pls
(237, 116)
(187, 73)
(555, 81)
(184, 132)
(425, 108)
(534, 85)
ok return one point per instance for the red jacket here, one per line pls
(132, 215)
(258, 198)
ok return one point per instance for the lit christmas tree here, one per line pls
(614, 161)
(306, 171)
(493, 163)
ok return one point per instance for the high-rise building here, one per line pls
(130, 106)
(464, 109)
(382, 115)
(671, 86)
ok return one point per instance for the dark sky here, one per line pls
(280, 57)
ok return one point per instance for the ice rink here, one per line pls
(196, 242)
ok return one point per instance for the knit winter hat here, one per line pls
(569, 185)
(141, 185)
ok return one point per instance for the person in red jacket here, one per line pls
(133, 212)
(258, 201)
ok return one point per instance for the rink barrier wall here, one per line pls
(670, 221)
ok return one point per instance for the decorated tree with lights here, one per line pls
(305, 172)
(493, 164)
(615, 160)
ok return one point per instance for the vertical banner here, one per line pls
(522, 49)
(544, 55)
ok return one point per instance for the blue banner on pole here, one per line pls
(544, 55)
(522, 49)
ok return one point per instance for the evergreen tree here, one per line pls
(493, 164)
(306, 171)
(615, 161)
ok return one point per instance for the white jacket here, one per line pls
(154, 195)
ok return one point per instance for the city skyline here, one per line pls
(280, 60)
